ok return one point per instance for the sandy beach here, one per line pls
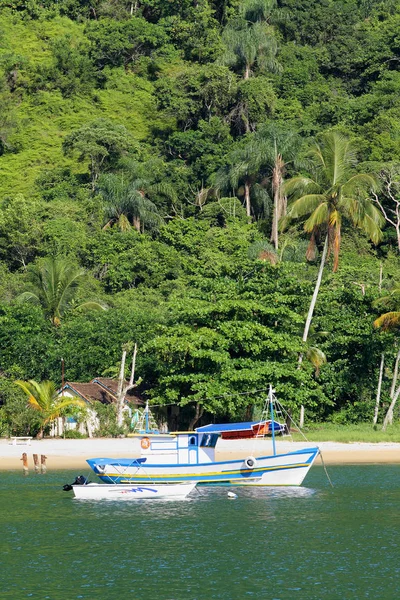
(72, 454)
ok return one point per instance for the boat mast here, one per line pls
(271, 405)
(147, 416)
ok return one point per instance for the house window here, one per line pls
(192, 441)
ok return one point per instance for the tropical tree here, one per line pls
(55, 282)
(390, 203)
(43, 397)
(249, 42)
(277, 146)
(243, 171)
(127, 204)
(249, 38)
(102, 142)
(390, 321)
(332, 193)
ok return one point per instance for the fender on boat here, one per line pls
(250, 462)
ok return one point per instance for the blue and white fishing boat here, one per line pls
(191, 456)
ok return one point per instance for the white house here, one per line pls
(101, 389)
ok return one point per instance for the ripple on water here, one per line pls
(308, 543)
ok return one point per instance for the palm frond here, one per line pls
(123, 223)
(306, 205)
(28, 297)
(386, 301)
(339, 156)
(86, 306)
(298, 186)
(318, 217)
(360, 183)
(387, 321)
(56, 409)
(316, 357)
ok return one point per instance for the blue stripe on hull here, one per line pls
(220, 477)
(145, 473)
(130, 462)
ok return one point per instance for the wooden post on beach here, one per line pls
(43, 463)
(24, 459)
(36, 462)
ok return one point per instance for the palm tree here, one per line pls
(278, 146)
(43, 397)
(243, 170)
(333, 192)
(127, 199)
(249, 38)
(389, 320)
(55, 284)
(314, 354)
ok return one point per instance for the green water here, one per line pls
(306, 543)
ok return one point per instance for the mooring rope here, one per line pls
(288, 416)
(325, 469)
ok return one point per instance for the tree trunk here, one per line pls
(246, 72)
(197, 416)
(398, 236)
(120, 395)
(311, 312)
(389, 415)
(378, 392)
(123, 390)
(278, 200)
(301, 422)
(395, 375)
(94, 173)
(336, 248)
(247, 198)
(136, 223)
(315, 295)
(275, 218)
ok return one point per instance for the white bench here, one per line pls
(21, 440)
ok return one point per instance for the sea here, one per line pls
(313, 542)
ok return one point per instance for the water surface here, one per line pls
(304, 543)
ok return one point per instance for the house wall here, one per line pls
(63, 424)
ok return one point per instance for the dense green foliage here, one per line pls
(146, 144)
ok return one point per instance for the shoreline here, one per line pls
(72, 454)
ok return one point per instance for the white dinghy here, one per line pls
(118, 491)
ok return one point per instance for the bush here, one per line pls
(107, 416)
(72, 434)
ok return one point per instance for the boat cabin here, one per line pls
(187, 447)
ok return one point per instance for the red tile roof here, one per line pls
(102, 389)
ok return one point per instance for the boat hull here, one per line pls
(275, 470)
(96, 491)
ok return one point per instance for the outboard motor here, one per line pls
(79, 480)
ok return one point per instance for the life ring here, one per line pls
(145, 443)
(250, 462)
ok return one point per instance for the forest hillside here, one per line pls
(188, 176)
